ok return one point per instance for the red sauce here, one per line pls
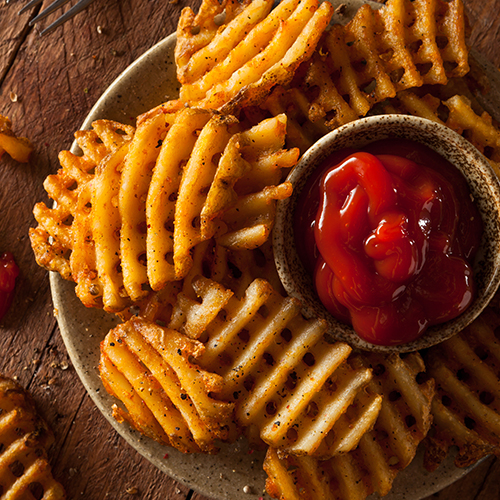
(390, 234)
(8, 274)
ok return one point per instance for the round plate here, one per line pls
(146, 83)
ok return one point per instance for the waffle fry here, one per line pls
(167, 396)
(223, 191)
(54, 239)
(255, 51)
(383, 51)
(163, 192)
(135, 179)
(25, 471)
(18, 148)
(466, 408)
(289, 385)
(403, 422)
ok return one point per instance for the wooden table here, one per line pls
(47, 87)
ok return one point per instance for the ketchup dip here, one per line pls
(389, 232)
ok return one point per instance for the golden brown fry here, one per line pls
(466, 408)
(260, 51)
(18, 148)
(167, 395)
(383, 51)
(162, 194)
(52, 240)
(403, 422)
(136, 174)
(290, 386)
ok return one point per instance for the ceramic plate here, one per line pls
(148, 82)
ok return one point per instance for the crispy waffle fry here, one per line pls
(290, 386)
(403, 422)
(18, 148)
(196, 180)
(467, 405)
(223, 191)
(25, 472)
(167, 396)
(135, 180)
(250, 53)
(52, 240)
(160, 204)
(196, 32)
(382, 51)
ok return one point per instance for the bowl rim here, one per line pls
(359, 133)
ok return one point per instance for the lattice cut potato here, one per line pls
(253, 49)
(18, 148)
(291, 387)
(222, 184)
(63, 241)
(25, 472)
(403, 422)
(402, 45)
(167, 396)
(466, 409)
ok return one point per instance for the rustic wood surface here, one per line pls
(57, 79)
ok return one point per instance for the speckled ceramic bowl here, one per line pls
(485, 189)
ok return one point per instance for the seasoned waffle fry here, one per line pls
(160, 204)
(371, 467)
(196, 180)
(194, 32)
(255, 51)
(223, 191)
(290, 386)
(18, 148)
(167, 396)
(466, 409)
(25, 472)
(301, 132)
(382, 51)
(136, 174)
(105, 230)
(52, 240)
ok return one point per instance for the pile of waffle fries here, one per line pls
(167, 225)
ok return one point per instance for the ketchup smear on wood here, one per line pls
(390, 234)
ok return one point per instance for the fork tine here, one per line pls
(29, 5)
(51, 8)
(78, 7)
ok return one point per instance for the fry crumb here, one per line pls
(340, 10)
(13, 97)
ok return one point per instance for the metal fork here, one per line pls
(78, 7)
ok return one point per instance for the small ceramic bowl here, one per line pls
(485, 189)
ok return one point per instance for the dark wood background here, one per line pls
(57, 79)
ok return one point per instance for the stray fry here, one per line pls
(25, 471)
(18, 148)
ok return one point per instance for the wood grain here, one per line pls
(57, 79)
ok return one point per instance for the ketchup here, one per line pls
(389, 233)
(8, 274)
